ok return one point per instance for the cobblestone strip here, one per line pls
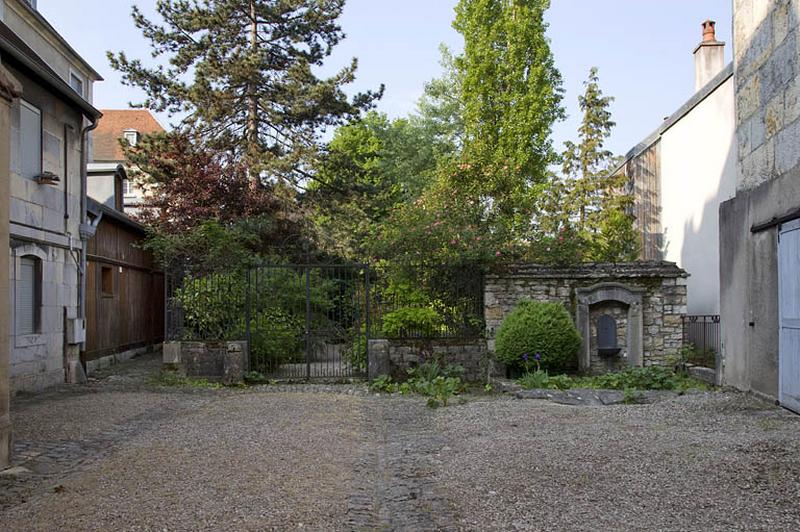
(395, 484)
(52, 462)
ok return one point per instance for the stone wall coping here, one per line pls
(620, 270)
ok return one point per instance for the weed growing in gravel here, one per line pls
(650, 378)
(172, 379)
(430, 379)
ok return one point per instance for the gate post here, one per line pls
(308, 322)
(368, 322)
(247, 317)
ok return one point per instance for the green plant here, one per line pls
(535, 380)
(173, 379)
(543, 328)
(416, 321)
(383, 384)
(648, 378)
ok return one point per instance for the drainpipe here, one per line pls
(67, 130)
(86, 230)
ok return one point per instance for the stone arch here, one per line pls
(602, 292)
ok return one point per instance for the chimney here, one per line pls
(709, 56)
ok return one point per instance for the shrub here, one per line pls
(415, 321)
(543, 328)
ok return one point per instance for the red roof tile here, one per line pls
(106, 137)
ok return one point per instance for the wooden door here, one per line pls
(789, 315)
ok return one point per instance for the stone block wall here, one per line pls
(766, 70)
(663, 295)
(225, 361)
(394, 356)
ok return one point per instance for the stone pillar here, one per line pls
(10, 88)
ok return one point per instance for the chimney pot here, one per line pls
(709, 31)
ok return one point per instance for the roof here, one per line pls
(675, 117)
(600, 270)
(17, 50)
(38, 16)
(95, 207)
(112, 126)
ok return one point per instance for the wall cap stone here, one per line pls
(620, 270)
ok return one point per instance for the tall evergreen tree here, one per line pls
(594, 204)
(241, 71)
(511, 93)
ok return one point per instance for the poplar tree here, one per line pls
(241, 73)
(511, 96)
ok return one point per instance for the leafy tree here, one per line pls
(370, 168)
(511, 93)
(242, 72)
(440, 110)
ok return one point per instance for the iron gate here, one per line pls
(300, 321)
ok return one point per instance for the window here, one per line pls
(76, 82)
(30, 126)
(28, 295)
(132, 136)
(107, 281)
(127, 187)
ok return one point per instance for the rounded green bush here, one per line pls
(534, 327)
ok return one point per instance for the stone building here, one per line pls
(645, 302)
(47, 131)
(108, 178)
(682, 172)
(759, 226)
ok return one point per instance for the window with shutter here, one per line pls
(27, 296)
(30, 125)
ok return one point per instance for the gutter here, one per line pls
(87, 230)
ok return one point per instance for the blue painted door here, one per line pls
(789, 315)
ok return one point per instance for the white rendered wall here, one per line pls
(698, 172)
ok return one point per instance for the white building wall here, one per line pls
(698, 172)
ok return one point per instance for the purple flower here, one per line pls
(525, 357)
(537, 357)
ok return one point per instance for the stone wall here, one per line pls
(45, 223)
(767, 81)
(225, 361)
(394, 356)
(661, 287)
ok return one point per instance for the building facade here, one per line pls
(682, 172)
(759, 227)
(108, 178)
(47, 134)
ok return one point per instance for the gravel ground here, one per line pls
(122, 455)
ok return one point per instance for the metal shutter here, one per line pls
(30, 126)
(26, 296)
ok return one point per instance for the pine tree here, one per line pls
(595, 203)
(241, 72)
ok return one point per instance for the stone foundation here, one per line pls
(394, 356)
(647, 300)
(225, 361)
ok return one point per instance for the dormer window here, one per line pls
(76, 82)
(132, 136)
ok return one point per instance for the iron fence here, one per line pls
(300, 321)
(429, 301)
(702, 333)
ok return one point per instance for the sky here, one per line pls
(642, 48)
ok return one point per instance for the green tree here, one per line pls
(589, 210)
(242, 73)
(370, 168)
(511, 93)
(440, 110)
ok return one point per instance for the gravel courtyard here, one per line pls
(122, 454)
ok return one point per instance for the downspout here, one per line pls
(67, 130)
(86, 230)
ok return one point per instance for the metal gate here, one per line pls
(789, 314)
(308, 321)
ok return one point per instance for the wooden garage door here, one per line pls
(789, 305)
